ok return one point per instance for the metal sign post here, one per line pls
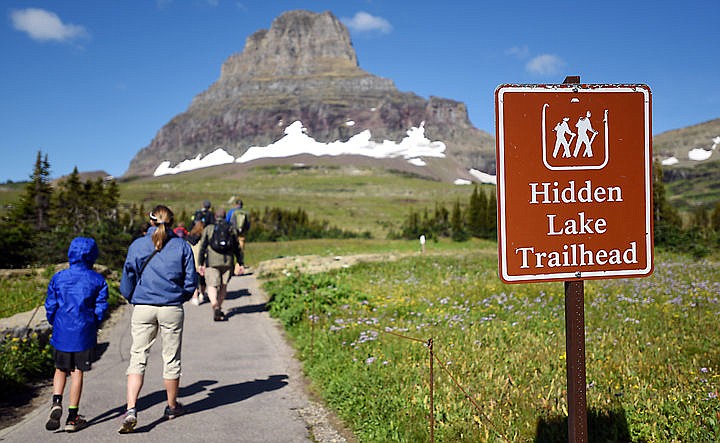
(575, 352)
(574, 184)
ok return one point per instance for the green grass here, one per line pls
(261, 251)
(353, 199)
(652, 350)
(700, 186)
(9, 195)
(25, 292)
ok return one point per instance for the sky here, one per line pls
(90, 83)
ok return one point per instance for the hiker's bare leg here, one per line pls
(134, 384)
(172, 386)
(222, 293)
(76, 385)
(212, 293)
(59, 382)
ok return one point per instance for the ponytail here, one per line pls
(160, 217)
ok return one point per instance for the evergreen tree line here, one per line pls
(698, 236)
(274, 224)
(477, 219)
(38, 229)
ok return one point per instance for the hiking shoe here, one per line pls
(175, 412)
(53, 422)
(129, 422)
(75, 424)
(219, 315)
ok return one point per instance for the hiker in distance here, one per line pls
(204, 215)
(240, 219)
(75, 305)
(220, 254)
(193, 238)
(158, 277)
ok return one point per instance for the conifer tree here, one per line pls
(483, 204)
(30, 216)
(491, 217)
(69, 202)
(667, 221)
(700, 220)
(715, 219)
(441, 225)
(34, 204)
(475, 214)
(456, 222)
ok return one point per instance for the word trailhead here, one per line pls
(574, 173)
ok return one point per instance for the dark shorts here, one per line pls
(69, 361)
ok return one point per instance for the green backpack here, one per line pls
(240, 221)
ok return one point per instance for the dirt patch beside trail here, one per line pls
(313, 264)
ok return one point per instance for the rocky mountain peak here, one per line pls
(305, 68)
(299, 43)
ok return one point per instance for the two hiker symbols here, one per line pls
(573, 147)
(584, 127)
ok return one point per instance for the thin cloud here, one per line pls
(518, 51)
(364, 22)
(42, 25)
(545, 64)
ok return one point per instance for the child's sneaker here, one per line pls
(75, 424)
(53, 422)
(175, 412)
(129, 422)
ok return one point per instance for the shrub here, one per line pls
(24, 360)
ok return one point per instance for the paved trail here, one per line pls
(240, 383)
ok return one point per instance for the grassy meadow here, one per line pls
(363, 332)
(652, 350)
(356, 199)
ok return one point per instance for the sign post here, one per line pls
(574, 171)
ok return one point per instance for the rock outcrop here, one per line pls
(305, 68)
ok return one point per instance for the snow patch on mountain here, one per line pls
(414, 148)
(695, 154)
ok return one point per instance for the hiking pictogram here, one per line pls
(561, 129)
(584, 126)
(577, 147)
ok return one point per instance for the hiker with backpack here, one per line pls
(220, 254)
(240, 220)
(204, 215)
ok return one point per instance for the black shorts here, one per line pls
(69, 361)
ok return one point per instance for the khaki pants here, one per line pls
(146, 322)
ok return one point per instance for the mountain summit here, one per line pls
(304, 68)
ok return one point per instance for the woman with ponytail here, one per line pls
(158, 277)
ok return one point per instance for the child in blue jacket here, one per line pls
(76, 303)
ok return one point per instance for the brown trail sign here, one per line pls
(574, 170)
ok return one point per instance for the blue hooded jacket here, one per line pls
(169, 279)
(76, 300)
